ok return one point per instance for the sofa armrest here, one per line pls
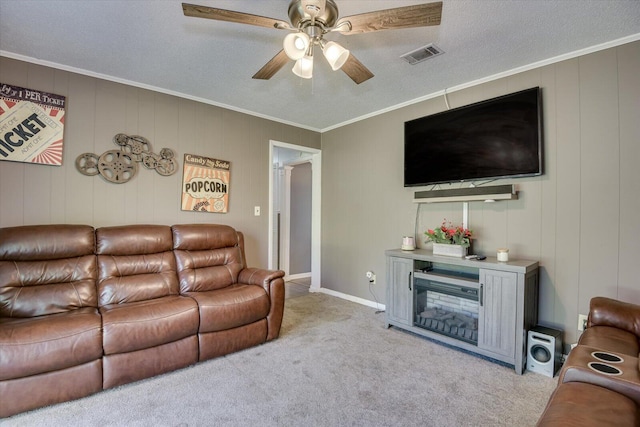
(618, 314)
(273, 283)
(260, 277)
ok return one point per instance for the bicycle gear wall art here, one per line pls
(120, 166)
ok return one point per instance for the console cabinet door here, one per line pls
(399, 290)
(497, 314)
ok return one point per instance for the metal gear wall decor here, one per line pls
(119, 166)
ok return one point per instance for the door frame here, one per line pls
(316, 207)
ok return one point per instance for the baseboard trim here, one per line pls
(297, 276)
(351, 298)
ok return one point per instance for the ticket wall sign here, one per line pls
(205, 184)
(31, 125)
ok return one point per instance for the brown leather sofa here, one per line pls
(599, 384)
(84, 309)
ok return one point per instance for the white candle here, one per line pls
(503, 254)
(408, 242)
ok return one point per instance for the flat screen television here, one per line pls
(496, 138)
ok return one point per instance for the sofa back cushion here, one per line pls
(46, 269)
(135, 263)
(208, 256)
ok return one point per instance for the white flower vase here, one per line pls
(449, 250)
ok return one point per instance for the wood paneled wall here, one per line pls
(96, 111)
(578, 219)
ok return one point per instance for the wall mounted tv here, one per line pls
(496, 138)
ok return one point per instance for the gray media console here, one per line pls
(486, 307)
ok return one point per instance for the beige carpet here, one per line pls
(335, 364)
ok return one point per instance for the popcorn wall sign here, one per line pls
(205, 184)
(31, 125)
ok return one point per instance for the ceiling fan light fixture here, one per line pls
(310, 20)
(336, 55)
(304, 67)
(296, 45)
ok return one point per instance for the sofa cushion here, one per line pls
(46, 242)
(611, 339)
(231, 307)
(208, 256)
(144, 324)
(206, 270)
(132, 278)
(49, 343)
(46, 269)
(133, 239)
(138, 292)
(135, 263)
(122, 368)
(216, 344)
(23, 394)
(605, 311)
(583, 366)
(581, 404)
(201, 237)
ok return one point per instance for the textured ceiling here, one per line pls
(152, 44)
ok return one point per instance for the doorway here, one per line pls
(294, 238)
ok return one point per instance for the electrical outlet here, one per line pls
(372, 277)
(582, 322)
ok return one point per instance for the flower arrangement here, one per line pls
(450, 235)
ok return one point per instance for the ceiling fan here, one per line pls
(311, 20)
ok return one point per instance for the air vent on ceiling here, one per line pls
(422, 54)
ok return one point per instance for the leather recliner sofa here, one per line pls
(84, 309)
(599, 383)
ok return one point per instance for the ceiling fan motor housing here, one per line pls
(299, 12)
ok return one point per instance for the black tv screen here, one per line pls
(496, 138)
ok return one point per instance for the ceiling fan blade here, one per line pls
(272, 67)
(420, 15)
(354, 69)
(231, 16)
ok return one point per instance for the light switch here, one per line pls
(256, 210)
